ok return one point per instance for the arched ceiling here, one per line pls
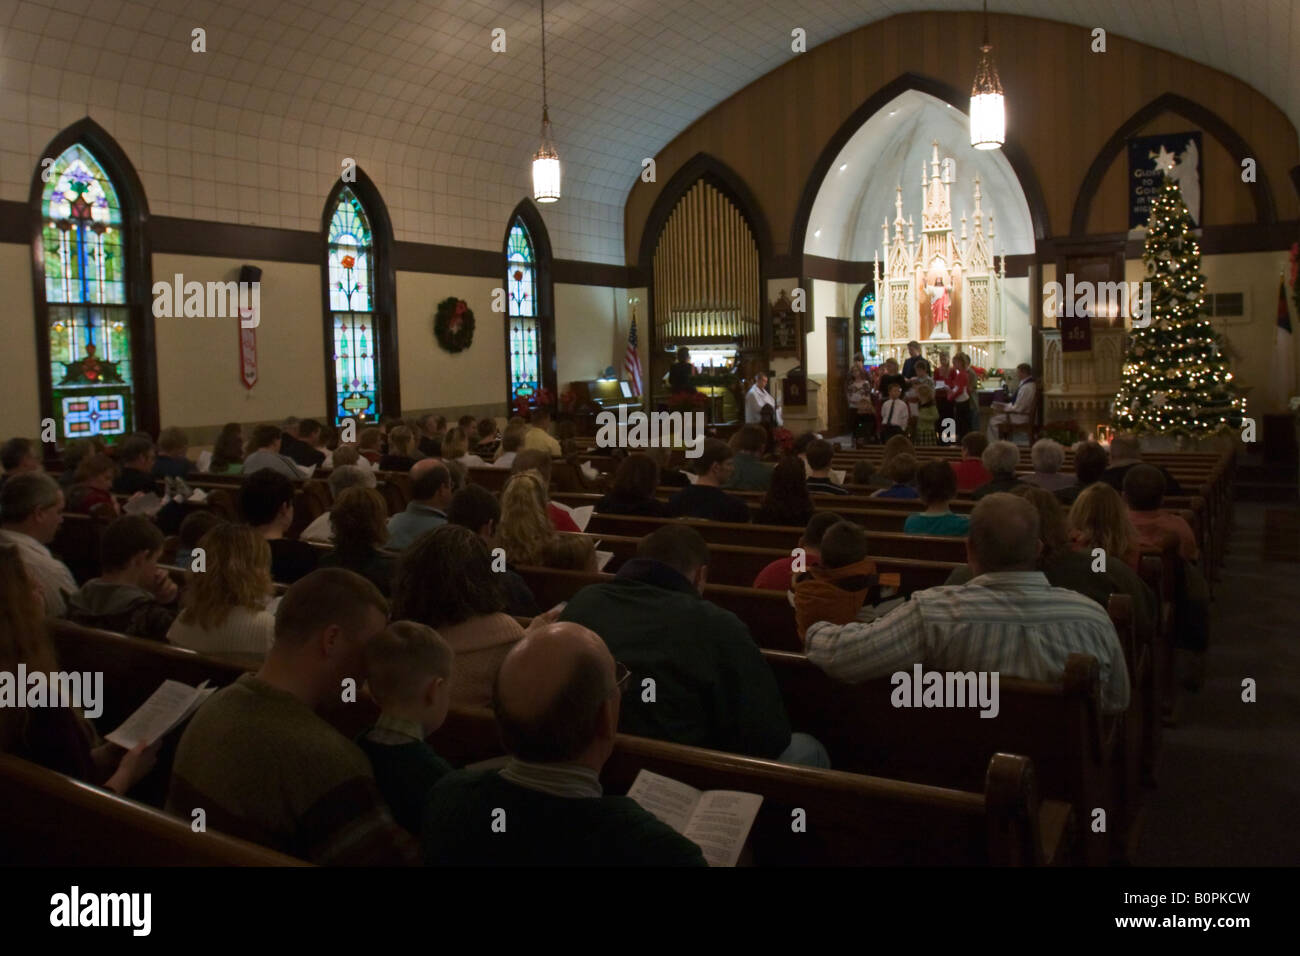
(886, 152)
(255, 129)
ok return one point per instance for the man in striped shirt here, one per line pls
(1007, 619)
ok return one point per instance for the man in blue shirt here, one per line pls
(430, 495)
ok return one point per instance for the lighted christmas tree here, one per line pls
(1176, 378)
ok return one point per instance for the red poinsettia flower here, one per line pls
(460, 308)
(348, 262)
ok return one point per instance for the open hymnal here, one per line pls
(603, 558)
(305, 470)
(148, 504)
(717, 820)
(165, 709)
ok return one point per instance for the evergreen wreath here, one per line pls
(453, 324)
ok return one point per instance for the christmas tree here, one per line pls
(1176, 378)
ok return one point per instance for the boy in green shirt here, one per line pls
(410, 672)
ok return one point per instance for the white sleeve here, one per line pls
(1024, 402)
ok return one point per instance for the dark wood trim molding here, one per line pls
(389, 398)
(194, 237)
(14, 224)
(1215, 240)
(139, 270)
(173, 235)
(532, 218)
(1207, 120)
(1015, 154)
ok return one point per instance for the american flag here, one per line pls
(631, 361)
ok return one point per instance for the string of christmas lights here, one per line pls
(1176, 379)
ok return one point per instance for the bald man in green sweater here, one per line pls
(557, 702)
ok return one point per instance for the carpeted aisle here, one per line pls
(1229, 776)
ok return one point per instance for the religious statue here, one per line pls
(935, 293)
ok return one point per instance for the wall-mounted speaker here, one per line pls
(250, 274)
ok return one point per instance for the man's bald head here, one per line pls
(1003, 535)
(551, 693)
(430, 480)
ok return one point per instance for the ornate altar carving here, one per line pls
(1080, 386)
(945, 289)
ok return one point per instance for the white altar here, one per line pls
(944, 291)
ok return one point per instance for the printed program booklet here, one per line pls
(166, 708)
(718, 821)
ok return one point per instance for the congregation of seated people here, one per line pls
(428, 606)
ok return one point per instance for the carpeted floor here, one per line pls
(1229, 775)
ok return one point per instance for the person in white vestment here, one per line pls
(756, 398)
(1021, 407)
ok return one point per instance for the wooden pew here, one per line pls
(852, 820)
(52, 820)
(767, 614)
(879, 544)
(1057, 725)
(739, 566)
(134, 668)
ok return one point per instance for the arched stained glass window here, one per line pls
(524, 343)
(351, 301)
(866, 331)
(89, 322)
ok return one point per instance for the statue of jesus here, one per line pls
(939, 305)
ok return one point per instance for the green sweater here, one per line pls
(405, 773)
(263, 766)
(712, 687)
(541, 829)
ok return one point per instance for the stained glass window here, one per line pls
(867, 328)
(351, 292)
(521, 278)
(85, 286)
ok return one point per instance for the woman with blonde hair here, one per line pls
(455, 447)
(401, 455)
(58, 738)
(525, 530)
(359, 520)
(1099, 519)
(526, 533)
(224, 608)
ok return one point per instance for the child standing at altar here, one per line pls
(895, 414)
(927, 415)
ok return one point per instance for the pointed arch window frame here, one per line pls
(137, 267)
(527, 213)
(868, 289)
(383, 296)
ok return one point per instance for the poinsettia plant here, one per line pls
(782, 440)
(687, 401)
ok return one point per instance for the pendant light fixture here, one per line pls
(546, 161)
(988, 115)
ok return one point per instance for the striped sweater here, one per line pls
(263, 766)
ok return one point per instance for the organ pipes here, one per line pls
(706, 272)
